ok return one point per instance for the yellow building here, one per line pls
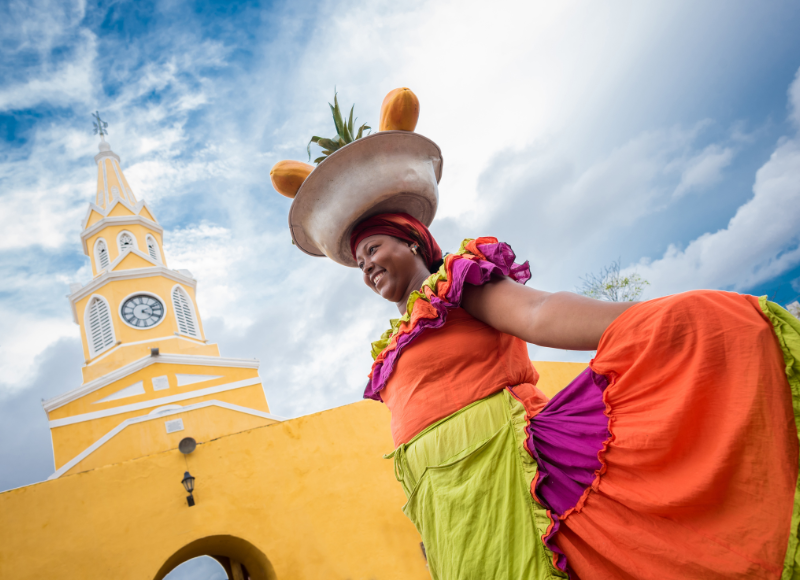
(307, 498)
(149, 374)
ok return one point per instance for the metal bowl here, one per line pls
(386, 172)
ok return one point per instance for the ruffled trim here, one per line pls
(476, 262)
(559, 558)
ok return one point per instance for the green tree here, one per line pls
(612, 286)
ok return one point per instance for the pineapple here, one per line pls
(344, 132)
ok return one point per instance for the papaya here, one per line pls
(399, 111)
(287, 176)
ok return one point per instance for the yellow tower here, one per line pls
(150, 376)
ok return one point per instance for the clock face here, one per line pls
(142, 311)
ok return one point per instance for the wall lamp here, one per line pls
(186, 446)
(188, 483)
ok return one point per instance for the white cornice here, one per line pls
(105, 438)
(107, 277)
(160, 402)
(149, 340)
(137, 365)
(123, 220)
(104, 212)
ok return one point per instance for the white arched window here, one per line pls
(99, 329)
(152, 248)
(101, 258)
(126, 242)
(184, 312)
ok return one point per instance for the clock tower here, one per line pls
(150, 376)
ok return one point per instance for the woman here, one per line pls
(697, 480)
(674, 455)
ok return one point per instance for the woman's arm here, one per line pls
(558, 320)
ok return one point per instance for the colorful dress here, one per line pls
(674, 455)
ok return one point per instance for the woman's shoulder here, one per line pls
(476, 262)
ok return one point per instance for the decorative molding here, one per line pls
(104, 212)
(135, 251)
(166, 413)
(117, 220)
(151, 340)
(136, 388)
(137, 365)
(152, 403)
(107, 198)
(122, 181)
(106, 277)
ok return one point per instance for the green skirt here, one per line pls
(468, 480)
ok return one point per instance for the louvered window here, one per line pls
(184, 312)
(152, 248)
(125, 242)
(99, 329)
(101, 255)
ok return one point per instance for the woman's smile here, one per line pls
(390, 267)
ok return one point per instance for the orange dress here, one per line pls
(697, 475)
(700, 473)
(472, 361)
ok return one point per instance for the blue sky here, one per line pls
(664, 134)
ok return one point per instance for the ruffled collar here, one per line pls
(476, 262)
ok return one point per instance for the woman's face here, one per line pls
(389, 266)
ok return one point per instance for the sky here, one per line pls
(662, 134)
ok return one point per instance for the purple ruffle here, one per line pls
(499, 262)
(565, 439)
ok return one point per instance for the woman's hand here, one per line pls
(556, 320)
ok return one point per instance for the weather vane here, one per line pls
(100, 126)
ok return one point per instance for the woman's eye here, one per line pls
(372, 250)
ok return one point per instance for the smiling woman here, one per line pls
(395, 252)
(643, 467)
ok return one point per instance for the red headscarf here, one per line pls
(401, 226)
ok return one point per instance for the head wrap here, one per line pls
(401, 226)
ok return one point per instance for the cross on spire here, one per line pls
(100, 126)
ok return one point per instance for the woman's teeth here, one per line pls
(378, 278)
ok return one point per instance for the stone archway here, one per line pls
(241, 559)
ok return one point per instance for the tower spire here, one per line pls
(111, 182)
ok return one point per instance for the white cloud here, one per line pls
(57, 83)
(704, 169)
(794, 99)
(558, 123)
(38, 25)
(760, 242)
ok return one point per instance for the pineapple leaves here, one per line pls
(314, 139)
(345, 131)
(361, 130)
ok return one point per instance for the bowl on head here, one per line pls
(387, 172)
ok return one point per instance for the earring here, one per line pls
(414, 250)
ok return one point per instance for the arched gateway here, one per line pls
(241, 559)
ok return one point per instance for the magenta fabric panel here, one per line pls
(565, 439)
